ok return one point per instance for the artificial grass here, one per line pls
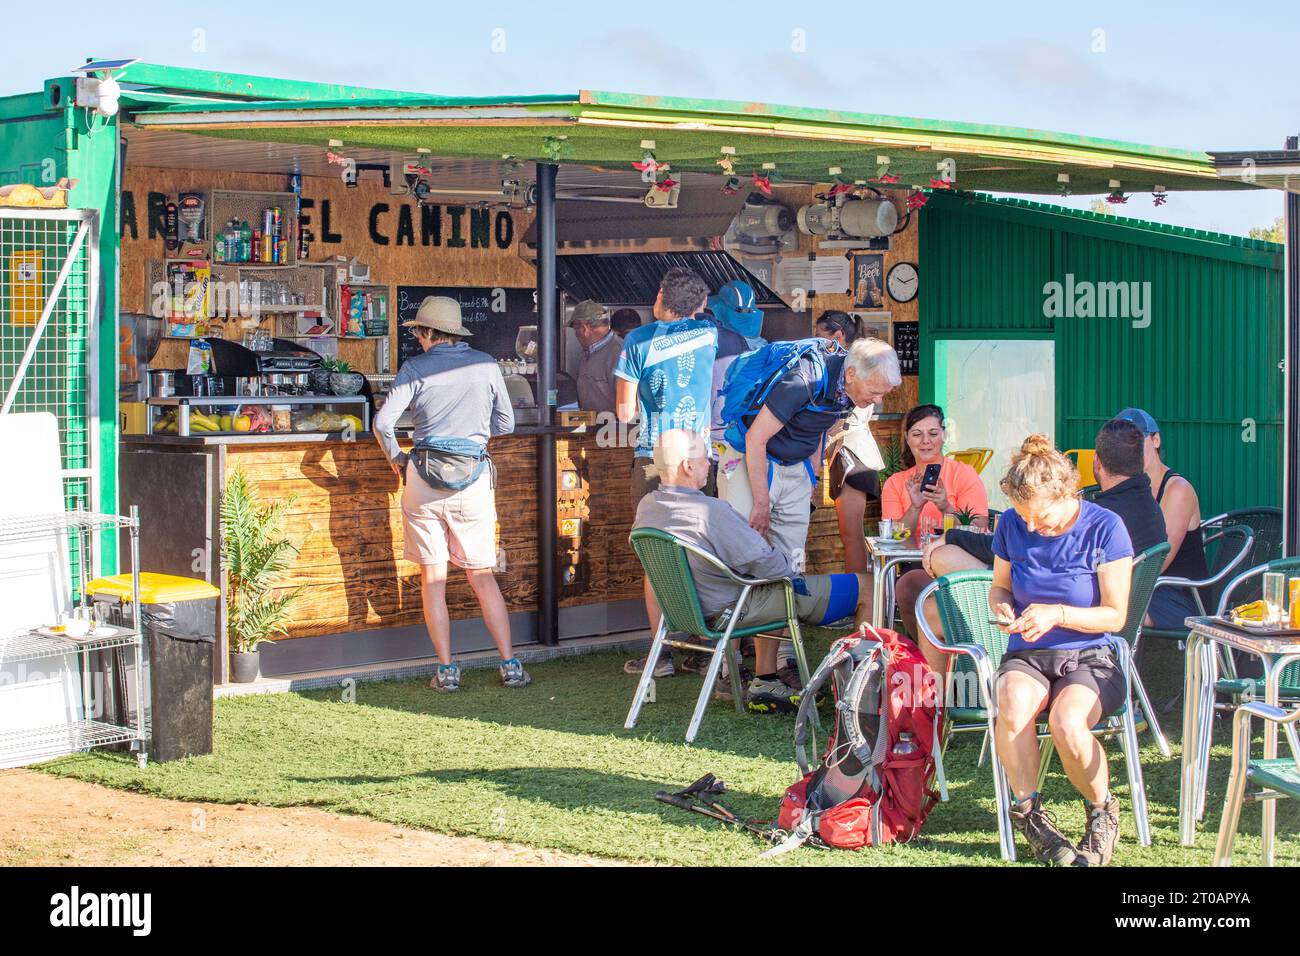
(551, 766)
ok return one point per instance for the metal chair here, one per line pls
(1226, 548)
(962, 601)
(977, 458)
(1280, 775)
(1265, 524)
(1239, 690)
(664, 558)
(1242, 689)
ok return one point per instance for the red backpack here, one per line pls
(874, 784)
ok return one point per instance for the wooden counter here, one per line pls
(346, 520)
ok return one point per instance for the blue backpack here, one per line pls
(752, 376)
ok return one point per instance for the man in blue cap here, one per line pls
(1182, 512)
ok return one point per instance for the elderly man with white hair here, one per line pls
(768, 466)
(679, 507)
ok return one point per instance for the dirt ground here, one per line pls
(49, 821)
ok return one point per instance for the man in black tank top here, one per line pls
(1169, 605)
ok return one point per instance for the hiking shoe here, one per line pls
(695, 663)
(513, 673)
(664, 668)
(789, 674)
(446, 679)
(1038, 828)
(1098, 843)
(771, 697)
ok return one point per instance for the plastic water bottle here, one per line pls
(905, 747)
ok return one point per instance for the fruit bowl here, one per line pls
(346, 383)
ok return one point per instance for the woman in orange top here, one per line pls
(959, 488)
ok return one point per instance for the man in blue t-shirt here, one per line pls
(664, 376)
(665, 370)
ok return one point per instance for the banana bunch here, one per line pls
(202, 423)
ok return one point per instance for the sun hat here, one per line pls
(440, 313)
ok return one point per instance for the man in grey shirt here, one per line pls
(600, 348)
(679, 507)
(453, 391)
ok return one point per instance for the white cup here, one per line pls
(74, 625)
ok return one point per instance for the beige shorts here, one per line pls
(790, 494)
(456, 526)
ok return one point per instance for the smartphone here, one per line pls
(931, 477)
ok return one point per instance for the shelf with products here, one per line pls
(253, 228)
(198, 299)
(364, 311)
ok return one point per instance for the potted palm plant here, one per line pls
(254, 556)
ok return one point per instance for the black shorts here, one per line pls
(1092, 667)
(847, 470)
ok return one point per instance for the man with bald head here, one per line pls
(679, 507)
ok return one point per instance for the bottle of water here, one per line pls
(905, 747)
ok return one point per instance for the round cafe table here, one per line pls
(885, 561)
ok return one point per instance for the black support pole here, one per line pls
(548, 343)
(1291, 440)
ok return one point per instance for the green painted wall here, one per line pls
(43, 139)
(1206, 365)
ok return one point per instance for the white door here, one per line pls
(995, 393)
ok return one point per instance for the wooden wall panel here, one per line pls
(390, 264)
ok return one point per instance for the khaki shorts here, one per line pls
(812, 600)
(790, 494)
(456, 526)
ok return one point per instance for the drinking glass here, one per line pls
(1273, 599)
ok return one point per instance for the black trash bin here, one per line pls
(180, 625)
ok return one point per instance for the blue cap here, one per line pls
(738, 295)
(1145, 423)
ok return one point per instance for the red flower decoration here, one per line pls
(652, 165)
(1117, 199)
(887, 178)
(1159, 199)
(916, 199)
(764, 183)
(839, 188)
(666, 185)
(940, 183)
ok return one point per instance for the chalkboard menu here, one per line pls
(907, 343)
(493, 315)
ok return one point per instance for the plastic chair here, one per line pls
(962, 601)
(1280, 775)
(1083, 459)
(977, 458)
(664, 558)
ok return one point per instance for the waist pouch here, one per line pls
(451, 464)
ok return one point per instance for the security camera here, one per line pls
(101, 95)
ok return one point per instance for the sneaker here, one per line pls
(1098, 843)
(770, 697)
(662, 669)
(513, 673)
(1038, 828)
(447, 678)
(695, 663)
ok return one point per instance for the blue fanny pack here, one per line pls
(450, 464)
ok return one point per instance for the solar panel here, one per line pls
(95, 66)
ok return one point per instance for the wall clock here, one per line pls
(902, 282)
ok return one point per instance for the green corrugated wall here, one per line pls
(1205, 367)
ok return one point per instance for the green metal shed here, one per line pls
(1198, 343)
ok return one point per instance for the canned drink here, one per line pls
(886, 527)
(275, 219)
(1293, 592)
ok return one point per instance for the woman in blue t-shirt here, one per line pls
(1061, 576)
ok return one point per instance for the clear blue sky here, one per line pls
(1199, 75)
